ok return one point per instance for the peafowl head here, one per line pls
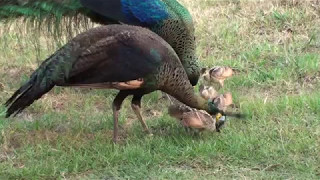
(213, 108)
(217, 114)
(220, 115)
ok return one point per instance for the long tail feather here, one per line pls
(51, 71)
(28, 93)
(51, 17)
(39, 9)
(59, 20)
(50, 10)
(21, 90)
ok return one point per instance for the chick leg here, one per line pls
(136, 107)
(221, 82)
(116, 106)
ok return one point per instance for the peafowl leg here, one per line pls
(136, 107)
(116, 106)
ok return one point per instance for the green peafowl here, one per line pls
(167, 18)
(132, 59)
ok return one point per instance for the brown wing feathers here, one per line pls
(113, 59)
(111, 56)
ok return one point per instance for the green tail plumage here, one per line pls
(57, 18)
(52, 11)
(39, 9)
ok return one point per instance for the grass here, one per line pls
(67, 134)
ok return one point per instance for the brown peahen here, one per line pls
(131, 59)
(167, 18)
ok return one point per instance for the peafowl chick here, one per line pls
(191, 118)
(131, 59)
(199, 120)
(167, 18)
(222, 101)
(216, 75)
(207, 92)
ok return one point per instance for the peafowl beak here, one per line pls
(220, 121)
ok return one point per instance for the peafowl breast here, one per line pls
(131, 59)
(167, 18)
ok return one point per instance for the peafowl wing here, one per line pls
(103, 56)
(118, 58)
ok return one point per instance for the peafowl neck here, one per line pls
(185, 94)
(174, 81)
(178, 31)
